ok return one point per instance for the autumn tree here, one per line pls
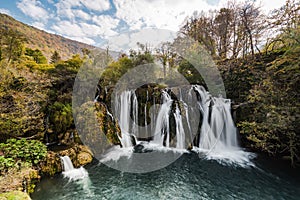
(223, 29)
(166, 55)
(286, 21)
(232, 31)
(200, 28)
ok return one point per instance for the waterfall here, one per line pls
(71, 172)
(187, 117)
(180, 135)
(135, 114)
(218, 130)
(162, 128)
(124, 105)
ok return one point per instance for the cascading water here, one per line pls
(180, 135)
(123, 106)
(175, 126)
(218, 130)
(71, 172)
(162, 128)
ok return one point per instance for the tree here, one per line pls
(287, 20)
(223, 22)
(200, 28)
(166, 55)
(12, 43)
(37, 55)
(229, 31)
(85, 51)
(55, 58)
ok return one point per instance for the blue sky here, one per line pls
(100, 22)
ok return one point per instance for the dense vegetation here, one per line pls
(18, 153)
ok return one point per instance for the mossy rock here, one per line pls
(52, 165)
(80, 155)
(14, 195)
(84, 158)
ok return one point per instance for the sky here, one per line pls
(114, 23)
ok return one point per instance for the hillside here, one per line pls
(42, 40)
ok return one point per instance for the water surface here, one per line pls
(190, 177)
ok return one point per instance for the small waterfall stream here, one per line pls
(71, 172)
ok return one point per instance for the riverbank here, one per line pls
(17, 181)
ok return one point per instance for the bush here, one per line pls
(61, 117)
(28, 151)
(6, 163)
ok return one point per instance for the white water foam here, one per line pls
(115, 153)
(230, 157)
(72, 173)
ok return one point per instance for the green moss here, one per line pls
(14, 195)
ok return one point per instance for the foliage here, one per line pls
(72, 64)
(22, 150)
(14, 195)
(6, 163)
(37, 55)
(274, 123)
(190, 72)
(11, 44)
(55, 58)
(117, 69)
(61, 117)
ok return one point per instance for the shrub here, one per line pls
(28, 151)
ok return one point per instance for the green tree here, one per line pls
(11, 44)
(37, 55)
(55, 58)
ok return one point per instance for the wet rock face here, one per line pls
(140, 148)
(95, 125)
(52, 165)
(84, 158)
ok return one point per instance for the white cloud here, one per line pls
(68, 28)
(81, 32)
(82, 15)
(268, 5)
(106, 20)
(99, 5)
(167, 14)
(85, 30)
(5, 11)
(107, 24)
(170, 14)
(33, 9)
(39, 25)
(152, 37)
(65, 8)
(83, 40)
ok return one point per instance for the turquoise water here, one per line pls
(190, 177)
